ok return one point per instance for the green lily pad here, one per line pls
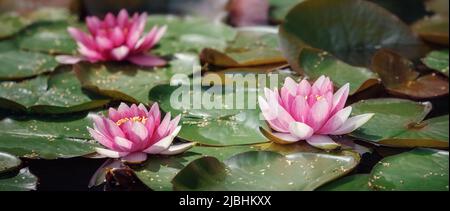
(400, 123)
(8, 162)
(46, 138)
(51, 14)
(256, 171)
(437, 60)
(399, 77)
(249, 48)
(316, 63)
(189, 34)
(158, 171)
(58, 93)
(280, 8)
(416, 170)
(223, 124)
(11, 23)
(128, 82)
(22, 64)
(7, 45)
(47, 37)
(357, 182)
(23, 181)
(348, 29)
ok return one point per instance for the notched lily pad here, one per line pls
(263, 171)
(23, 181)
(400, 123)
(399, 77)
(314, 63)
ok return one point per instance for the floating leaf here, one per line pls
(8, 162)
(45, 138)
(399, 77)
(357, 182)
(207, 116)
(22, 64)
(349, 29)
(433, 29)
(158, 171)
(315, 63)
(50, 14)
(249, 48)
(400, 123)
(437, 60)
(59, 93)
(189, 34)
(47, 37)
(416, 170)
(23, 181)
(280, 8)
(258, 171)
(11, 23)
(130, 82)
(7, 45)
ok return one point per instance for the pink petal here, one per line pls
(286, 137)
(340, 97)
(122, 18)
(103, 43)
(174, 123)
(114, 115)
(117, 36)
(304, 88)
(177, 149)
(110, 153)
(164, 126)
(322, 142)
(136, 30)
(139, 130)
(290, 85)
(91, 55)
(352, 124)
(300, 109)
(318, 114)
(100, 138)
(66, 59)
(113, 129)
(318, 83)
(93, 24)
(124, 110)
(142, 110)
(336, 121)
(300, 130)
(164, 143)
(110, 20)
(147, 60)
(82, 37)
(99, 125)
(135, 158)
(156, 113)
(271, 119)
(147, 39)
(123, 143)
(120, 53)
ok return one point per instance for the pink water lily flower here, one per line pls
(301, 111)
(116, 39)
(130, 133)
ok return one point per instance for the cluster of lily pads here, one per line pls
(393, 73)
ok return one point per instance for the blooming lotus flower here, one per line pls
(301, 111)
(116, 39)
(130, 133)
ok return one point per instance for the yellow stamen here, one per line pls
(318, 97)
(134, 119)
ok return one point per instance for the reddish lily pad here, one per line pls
(399, 77)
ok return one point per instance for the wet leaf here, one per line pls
(158, 171)
(357, 182)
(23, 181)
(351, 30)
(8, 162)
(47, 37)
(400, 78)
(280, 8)
(433, 29)
(316, 63)
(189, 34)
(416, 170)
(21, 64)
(11, 23)
(207, 116)
(58, 93)
(47, 138)
(437, 60)
(400, 123)
(263, 171)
